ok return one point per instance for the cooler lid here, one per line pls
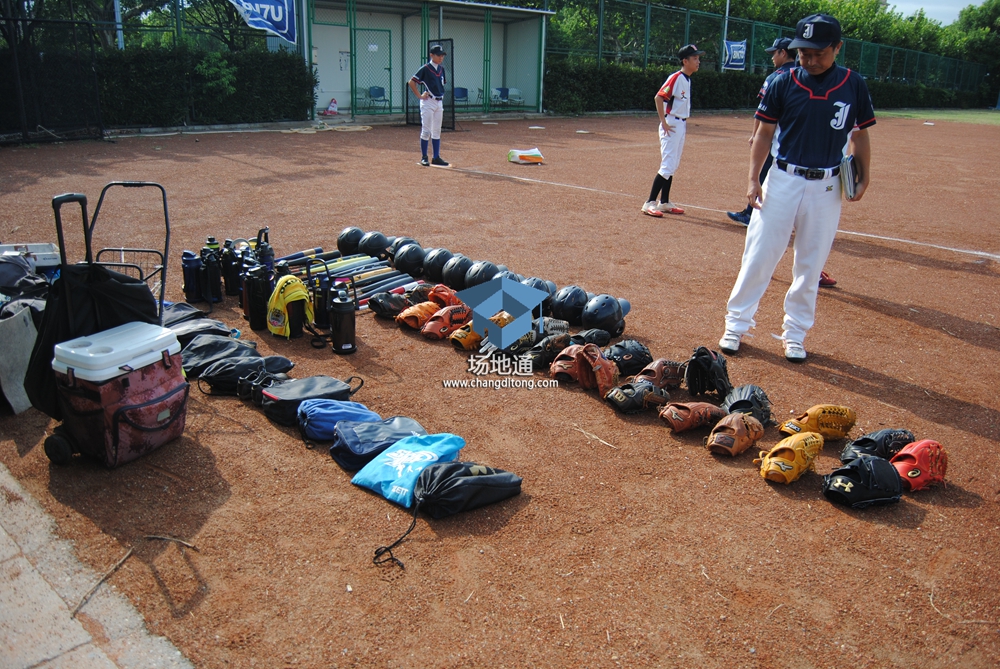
(116, 348)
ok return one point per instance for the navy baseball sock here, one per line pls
(423, 147)
(659, 183)
(437, 148)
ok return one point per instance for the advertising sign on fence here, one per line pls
(275, 16)
(736, 55)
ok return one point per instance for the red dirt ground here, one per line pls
(646, 553)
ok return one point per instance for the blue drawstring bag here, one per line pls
(318, 418)
(356, 443)
(393, 473)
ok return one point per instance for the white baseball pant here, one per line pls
(790, 203)
(431, 115)
(671, 146)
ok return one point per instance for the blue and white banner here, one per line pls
(275, 16)
(736, 55)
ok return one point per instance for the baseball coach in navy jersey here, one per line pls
(816, 107)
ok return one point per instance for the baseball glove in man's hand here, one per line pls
(662, 373)
(884, 444)
(862, 482)
(681, 417)
(751, 400)
(707, 373)
(830, 420)
(790, 458)
(734, 434)
(636, 397)
(921, 463)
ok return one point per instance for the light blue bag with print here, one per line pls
(394, 472)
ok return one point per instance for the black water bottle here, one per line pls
(230, 262)
(321, 296)
(211, 274)
(257, 294)
(191, 266)
(342, 324)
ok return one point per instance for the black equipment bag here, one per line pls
(356, 443)
(179, 312)
(189, 329)
(281, 402)
(223, 376)
(204, 350)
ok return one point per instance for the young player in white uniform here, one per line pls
(673, 105)
(816, 105)
(431, 75)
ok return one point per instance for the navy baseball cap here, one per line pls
(779, 44)
(688, 51)
(436, 50)
(816, 31)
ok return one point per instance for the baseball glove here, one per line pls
(388, 305)
(551, 326)
(830, 420)
(630, 355)
(707, 373)
(417, 315)
(544, 352)
(446, 320)
(636, 397)
(751, 400)
(681, 417)
(419, 293)
(592, 336)
(467, 339)
(734, 434)
(921, 463)
(790, 457)
(564, 366)
(443, 296)
(863, 482)
(662, 373)
(594, 370)
(884, 444)
(523, 343)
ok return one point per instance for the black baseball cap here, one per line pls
(688, 51)
(816, 31)
(779, 44)
(436, 50)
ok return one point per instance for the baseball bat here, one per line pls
(386, 285)
(307, 253)
(399, 290)
(305, 260)
(368, 278)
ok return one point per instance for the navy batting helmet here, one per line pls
(453, 274)
(398, 243)
(409, 258)
(604, 312)
(374, 244)
(568, 304)
(347, 240)
(434, 262)
(480, 272)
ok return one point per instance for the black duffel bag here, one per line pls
(187, 330)
(223, 376)
(281, 402)
(204, 350)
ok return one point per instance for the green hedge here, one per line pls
(574, 88)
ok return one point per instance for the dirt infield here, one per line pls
(644, 551)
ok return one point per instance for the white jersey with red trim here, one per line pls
(676, 94)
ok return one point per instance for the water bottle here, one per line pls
(257, 293)
(191, 266)
(321, 297)
(230, 262)
(212, 243)
(211, 274)
(263, 250)
(342, 324)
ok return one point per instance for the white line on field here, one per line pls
(982, 254)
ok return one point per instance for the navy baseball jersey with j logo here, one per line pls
(804, 107)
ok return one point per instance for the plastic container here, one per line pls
(105, 355)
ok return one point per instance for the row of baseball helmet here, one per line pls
(439, 265)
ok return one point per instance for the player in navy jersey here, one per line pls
(673, 105)
(816, 106)
(431, 75)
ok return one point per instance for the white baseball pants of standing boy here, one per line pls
(790, 203)
(671, 146)
(431, 115)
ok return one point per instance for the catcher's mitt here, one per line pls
(443, 296)
(544, 352)
(417, 315)
(594, 370)
(749, 399)
(884, 444)
(830, 420)
(636, 397)
(862, 482)
(734, 434)
(790, 457)
(921, 463)
(467, 339)
(681, 417)
(707, 373)
(592, 336)
(446, 320)
(662, 373)
(388, 305)
(630, 355)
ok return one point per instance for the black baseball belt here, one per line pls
(808, 173)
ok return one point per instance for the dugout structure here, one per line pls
(365, 52)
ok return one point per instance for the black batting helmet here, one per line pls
(347, 240)
(434, 262)
(453, 274)
(480, 272)
(604, 312)
(374, 244)
(409, 258)
(568, 304)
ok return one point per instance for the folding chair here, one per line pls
(377, 98)
(461, 96)
(514, 96)
(498, 96)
